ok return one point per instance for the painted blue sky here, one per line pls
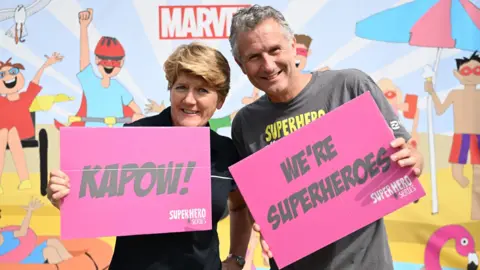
(330, 23)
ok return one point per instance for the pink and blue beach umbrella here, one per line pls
(426, 23)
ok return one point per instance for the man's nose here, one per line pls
(269, 65)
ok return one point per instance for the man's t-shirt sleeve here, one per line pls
(237, 136)
(86, 77)
(363, 83)
(233, 186)
(127, 97)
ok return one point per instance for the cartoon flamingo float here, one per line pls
(464, 244)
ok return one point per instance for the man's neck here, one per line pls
(470, 87)
(298, 82)
(106, 82)
(13, 96)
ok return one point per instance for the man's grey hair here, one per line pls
(246, 19)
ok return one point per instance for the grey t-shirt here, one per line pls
(261, 123)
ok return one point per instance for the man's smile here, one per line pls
(108, 70)
(10, 83)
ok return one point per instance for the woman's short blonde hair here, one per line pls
(199, 60)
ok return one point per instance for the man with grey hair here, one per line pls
(263, 45)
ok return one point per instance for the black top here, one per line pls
(185, 250)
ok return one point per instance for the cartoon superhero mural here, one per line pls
(20, 14)
(21, 248)
(407, 107)
(99, 107)
(466, 113)
(464, 245)
(442, 24)
(449, 24)
(303, 52)
(17, 128)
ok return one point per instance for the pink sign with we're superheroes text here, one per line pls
(135, 180)
(325, 180)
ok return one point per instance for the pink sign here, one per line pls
(135, 180)
(325, 181)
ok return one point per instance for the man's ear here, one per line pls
(294, 46)
(309, 52)
(239, 63)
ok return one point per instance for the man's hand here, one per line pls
(154, 107)
(85, 17)
(230, 264)
(428, 85)
(407, 155)
(33, 205)
(263, 243)
(55, 58)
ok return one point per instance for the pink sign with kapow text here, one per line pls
(325, 180)
(135, 180)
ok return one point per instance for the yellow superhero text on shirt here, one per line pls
(282, 128)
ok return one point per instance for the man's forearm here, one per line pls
(240, 229)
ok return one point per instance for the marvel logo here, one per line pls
(196, 22)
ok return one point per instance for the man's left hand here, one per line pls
(230, 264)
(407, 155)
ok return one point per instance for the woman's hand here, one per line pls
(58, 187)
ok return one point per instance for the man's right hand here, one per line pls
(85, 17)
(263, 243)
(429, 86)
(58, 187)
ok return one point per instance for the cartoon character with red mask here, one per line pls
(105, 101)
(407, 107)
(466, 126)
(303, 52)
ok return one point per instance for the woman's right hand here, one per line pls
(58, 187)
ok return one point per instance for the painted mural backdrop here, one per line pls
(414, 50)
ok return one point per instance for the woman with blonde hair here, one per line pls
(198, 80)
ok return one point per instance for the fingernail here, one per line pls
(394, 158)
(401, 162)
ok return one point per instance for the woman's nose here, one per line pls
(190, 98)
